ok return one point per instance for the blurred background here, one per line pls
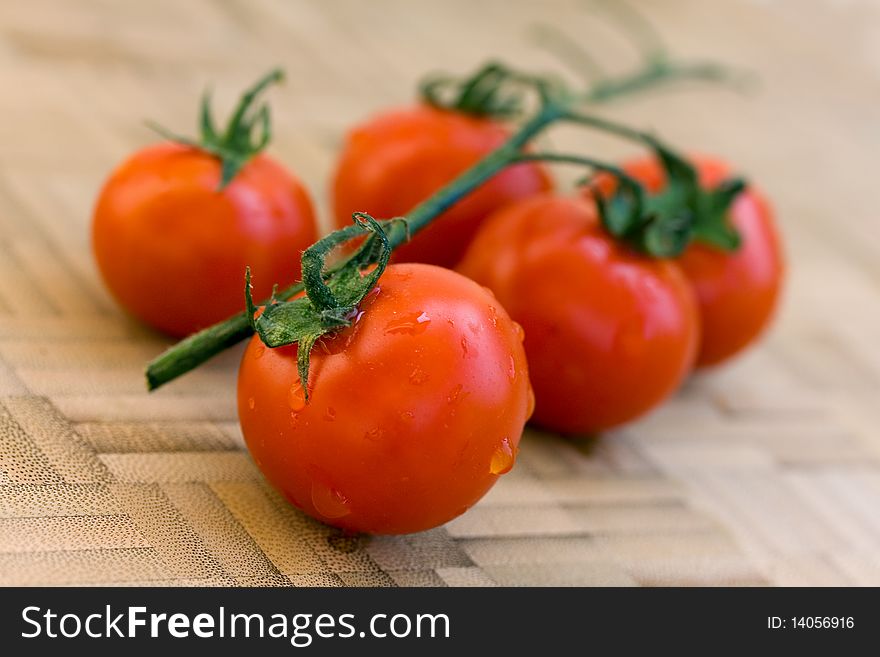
(765, 472)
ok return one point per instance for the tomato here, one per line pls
(609, 333)
(414, 411)
(398, 159)
(173, 249)
(737, 292)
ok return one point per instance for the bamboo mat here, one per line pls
(765, 472)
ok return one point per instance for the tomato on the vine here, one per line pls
(737, 291)
(413, 411)
(177, 223)
(609, 333)
(394, 161)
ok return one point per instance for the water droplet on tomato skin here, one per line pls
(456, 395)
(464, 346)
(374, 434)
(503, 458)
(530, 404)
(413, 324)
(409, 416)
(418, 376)
(520, 333)
(296, 399)
(511, 369)
(259, 350)
(329, 502)
(330, 414)
(252, 403)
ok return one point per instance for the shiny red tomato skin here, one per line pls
(173, 250)
(737, 292)
(414, 411)
(609, 333)
(394, 161)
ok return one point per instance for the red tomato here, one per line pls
(737, 292)
(173, 249)
(414, 411)
(609, 333)
(398, 159)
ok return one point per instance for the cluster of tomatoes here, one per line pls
(514, 303)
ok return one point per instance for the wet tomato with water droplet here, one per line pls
(608, 333)
(396, 160)
(402, 430)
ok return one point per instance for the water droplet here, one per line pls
(493, 312)
(530, 407)
(296, 398)
(488, 291)
(251, 403)
(411, 324)
(374, 434)
(336, 343)
(456, 395)
(418, 376)
(503, 458)
(511, 369)
(464, 346)
(259, 350)
(409, 416)
(329, 502)
(520, 333)
(330, 414)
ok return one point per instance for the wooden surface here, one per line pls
(765, 472)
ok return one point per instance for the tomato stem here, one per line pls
(285, 322)
(247, 134)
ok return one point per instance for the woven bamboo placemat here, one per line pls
(765, 472)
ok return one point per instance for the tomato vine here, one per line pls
(248, 132)
(660, 225)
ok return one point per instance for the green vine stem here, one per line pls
(248, 132)
(626, 216)
(204, 345)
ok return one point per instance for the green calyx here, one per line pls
(663, 225)
(332, 299)
(494, 90)
(248, 132)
